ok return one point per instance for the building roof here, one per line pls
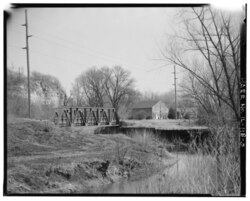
(144, 104)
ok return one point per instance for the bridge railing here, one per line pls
(84, 116)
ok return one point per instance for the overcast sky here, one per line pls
(68, 41)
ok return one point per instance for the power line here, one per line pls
(159, 67)
(96, 52)
(75, 43)
(13, 46)
(47, 21)
(89, 51)
(47, 55)
(67, 47)
(53, 57)
(58, 58)
(15, 22)
(15, 30)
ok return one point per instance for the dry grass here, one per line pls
(197, 173)
(75, 158)
(164, 124)
(193, 174)
(70, 160)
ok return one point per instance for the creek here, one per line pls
(151, 184)
(175, 169)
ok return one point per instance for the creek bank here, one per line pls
(140, 185)
(184, 134)
(43, 158)
(86, 176)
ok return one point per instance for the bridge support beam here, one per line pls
(88, 115)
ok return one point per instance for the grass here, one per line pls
(71, 160)
(195, 174)
(196, 171)
(164, 124)
(191, 175)
(44, 158)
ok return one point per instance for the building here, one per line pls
(150, 110)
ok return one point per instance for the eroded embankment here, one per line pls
(171, 136)
(43, 158)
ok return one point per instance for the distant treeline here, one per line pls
(95, 87)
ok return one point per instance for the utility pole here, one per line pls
(175, 92)
(28, 62)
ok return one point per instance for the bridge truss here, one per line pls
(84, 116)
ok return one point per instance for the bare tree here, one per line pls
(213, 41)
(105, 86)
(126, 104)
(209, 50)
(78, 94)
(90, 85)
(196, 91)
(118, 85)
(150, 95)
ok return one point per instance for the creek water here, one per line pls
(175, 171)
(172, 167)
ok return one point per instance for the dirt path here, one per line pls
(55, 154)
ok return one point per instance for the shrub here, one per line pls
(171, 113)
(187, 116)
(141, 115)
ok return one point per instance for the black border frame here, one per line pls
(129, 5)
(243, 70)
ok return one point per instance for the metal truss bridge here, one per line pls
(84, 116)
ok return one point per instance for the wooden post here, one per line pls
(28, 61)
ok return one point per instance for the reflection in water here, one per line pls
(190, 174)
(143, 185)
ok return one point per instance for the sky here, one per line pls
(68, 41)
